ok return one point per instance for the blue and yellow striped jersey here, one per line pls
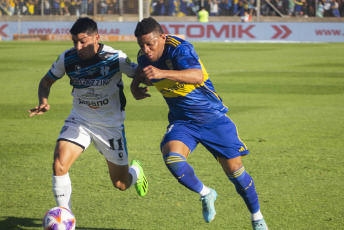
(194, 102)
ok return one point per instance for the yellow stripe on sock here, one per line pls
(237, 173)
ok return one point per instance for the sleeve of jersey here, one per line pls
(185, 57)
(57, 70)
(125, 65)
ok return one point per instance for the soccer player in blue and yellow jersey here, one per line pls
(197, 115)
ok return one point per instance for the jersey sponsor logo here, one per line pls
(173, 88)
(170, 88)
(92, 70)
(89, 82)
(94, 104)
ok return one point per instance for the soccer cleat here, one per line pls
(141, 185)
(208, 207)
(259, 225)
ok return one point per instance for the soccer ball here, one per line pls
(59, 218)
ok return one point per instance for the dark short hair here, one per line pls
(146, 26)
(84, 25)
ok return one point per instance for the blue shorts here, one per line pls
(219, 137)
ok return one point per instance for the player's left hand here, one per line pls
(39, 110)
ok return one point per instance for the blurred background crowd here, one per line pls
(180, 8)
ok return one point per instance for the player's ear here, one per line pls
(97, 37)
(163, 36)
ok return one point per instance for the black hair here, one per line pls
(84, 25)
(146, 26)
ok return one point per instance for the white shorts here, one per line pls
(109, 141)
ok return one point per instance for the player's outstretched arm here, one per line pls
(43, 94)
(137, 91)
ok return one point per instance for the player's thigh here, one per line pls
(176, 147)
(74, 138)
(222, 140)
(111, 143)
(65, 155)
(181, 138)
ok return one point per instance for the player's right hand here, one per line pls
(39, 110)
(140, 92)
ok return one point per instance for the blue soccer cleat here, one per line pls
(208, 207)
(259, 225)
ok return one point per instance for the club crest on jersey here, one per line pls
(104, 70)
(169, 64)
(128, 61)
(77, 69)
(64, 129)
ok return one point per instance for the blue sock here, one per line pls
(182, 171)
(245, 187)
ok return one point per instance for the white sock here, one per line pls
(205, 191)
(256, 216)
(62, 189)
(134, 171)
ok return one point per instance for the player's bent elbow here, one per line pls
(199, 77)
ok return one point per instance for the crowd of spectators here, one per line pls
(57, 7)
(323, 8)
(312, 8)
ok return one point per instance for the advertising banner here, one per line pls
(214, 31)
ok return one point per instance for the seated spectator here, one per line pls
(203, 15)
(75, 7)
(291, 7)
(30, 7)
(334, 8)
(214, 7)
(11, 7)
(47, 7)
(56, 7)
(159, 8)
(320, 11)
(171, 11)
(235, 10)
(64, 4)
(112, 6)
(298, 7)
(191, 8)
(225, 6)
(327, 8)
(102, 6)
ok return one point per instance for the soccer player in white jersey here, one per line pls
(95, 72)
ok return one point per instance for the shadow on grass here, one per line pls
(18, 223)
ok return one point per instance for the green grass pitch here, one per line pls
(287, 101)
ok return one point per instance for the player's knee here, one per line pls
(59, 168)
(175, 163)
